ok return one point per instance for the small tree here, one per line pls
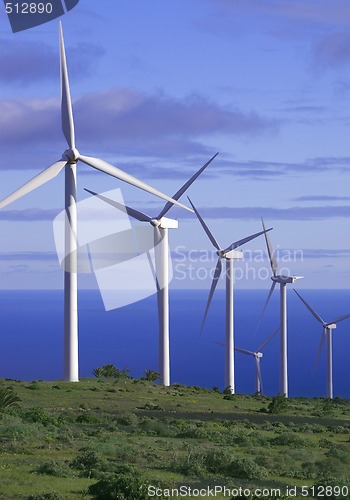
(151, 376)
(8, 398)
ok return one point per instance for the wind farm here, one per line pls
(146, 95)
(160, 226)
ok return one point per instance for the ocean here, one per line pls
(31, 337)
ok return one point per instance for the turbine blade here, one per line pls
(40, 179)
(244, 351)
(66, 102)
(314, 313)
(265, 306)
(239, 243)
(339, 319)
(272, 258)
(216, 277)
(205, 227)
(323, 338)
(219, 343)
(267, 340)
(184, 188)
(109, 169)
(123, 208)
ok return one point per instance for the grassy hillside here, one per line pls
(65, 437)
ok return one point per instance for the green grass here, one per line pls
(65, 437)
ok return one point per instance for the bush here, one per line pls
(89, 463)
(289, 439)
(122, 487)
(218, 461)
(246, 468)
(222, 461)
(128, 420)
(88, 418)
(278, 404)
(39, 415)
(54, 469)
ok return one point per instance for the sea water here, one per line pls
(31, 338)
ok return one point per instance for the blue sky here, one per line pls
(159, 87)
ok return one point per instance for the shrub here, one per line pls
(110, 371)
(128, 420)
(151, 376)
(246, 468)
(8, 398)
(289, 439)
(57, 469)
(89, 463)
(218, 461)
(39, 415)
(121, 487)
(278, 404)
(88, 418)
(34, 386)
(223, 462)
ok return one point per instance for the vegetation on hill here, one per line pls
(113, 437)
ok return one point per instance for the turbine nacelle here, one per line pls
(231, 254)
(258, 355)
(332, 326)
(285, 279)
(71, 155)
(166, 223)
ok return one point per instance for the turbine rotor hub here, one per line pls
(155, 222)
(71, 155)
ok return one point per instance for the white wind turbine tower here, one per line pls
(69, 162)
(229, 254)
(326, 335)
(161, 226)
(282, 280)
(257, 355)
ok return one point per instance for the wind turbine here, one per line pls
(229, 254)
(326, 335)
(257, 357)
(69, 162)
(283, 281)
(161, 226)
